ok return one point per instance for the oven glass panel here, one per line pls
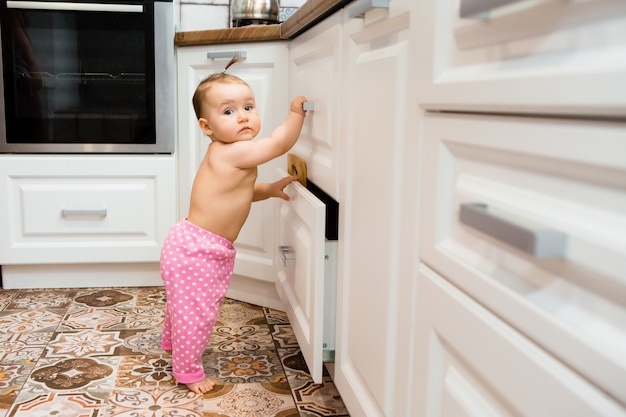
(78, 76)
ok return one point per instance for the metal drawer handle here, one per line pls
(288, 256)
(479, 8)
(226, 54)
(84, 212)
(308, 105)
(530, 238)
(360, 7)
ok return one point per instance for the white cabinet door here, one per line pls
(265, 70)
(300, 283)
(543, 56)
(377, 216)
(469, 363)
(315, 72)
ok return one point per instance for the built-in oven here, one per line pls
(87, 76)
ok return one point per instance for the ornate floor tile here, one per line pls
(12, 378)
(151, 296)
(22, 348)
(243, 367)
(312, 399)
(283, 335)
(142, 342)
(249, 400)
(151, 402)
(238, 338)
(104, 298)
(75, 373)
(295, 367)
(319, 400)
(5, 299)
(93, 318)
(145, 371)
(236, 313)
(25, 321)
(92, 376)
(83, 344)
(141, 317)
(275, 316)
(75, 404)
(97, 353)
(41, 299)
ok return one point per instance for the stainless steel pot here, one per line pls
(253, 12)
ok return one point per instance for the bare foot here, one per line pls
(201, 387)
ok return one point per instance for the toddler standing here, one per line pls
(198, 256)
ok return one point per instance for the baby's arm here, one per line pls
(254, 153)
(263, 191)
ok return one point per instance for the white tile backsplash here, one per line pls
(291, 3)
(203, 17)
(215, 14)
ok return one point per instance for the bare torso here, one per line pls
(221, 195)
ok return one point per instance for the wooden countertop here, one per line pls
(309, 14)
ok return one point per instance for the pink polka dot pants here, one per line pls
(196, 268)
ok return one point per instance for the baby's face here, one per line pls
(231, 114)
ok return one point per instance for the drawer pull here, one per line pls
(226, 54)
(288, 256)
(84, 212)
(308, 105)
(530, 238)
(479, 8)
(360, 7)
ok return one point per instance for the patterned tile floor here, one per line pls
(96, 353)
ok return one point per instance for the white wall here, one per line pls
(215, 14)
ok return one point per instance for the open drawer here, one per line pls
(306, 259)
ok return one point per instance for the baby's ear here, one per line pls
(204, 126)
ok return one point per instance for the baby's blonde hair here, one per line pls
(218, 77)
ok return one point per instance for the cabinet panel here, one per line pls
(265, 70)
(479, 366)
(557, 57)
(535, 175)
(315, 72)
(377, 217)
(85, 210)
(300, 283)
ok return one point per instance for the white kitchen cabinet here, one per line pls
(532, 56)
(308, 288)
(265, 70)
(468, 362)
(315, 72)
(83, 210)
(531, 176)
(377, 220)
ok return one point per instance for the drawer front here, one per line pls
(300, 280)
(314, 72)
(557, 57)
(480, 366)
(491, 182)
(87, 211)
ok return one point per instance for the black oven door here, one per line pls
(78, 76)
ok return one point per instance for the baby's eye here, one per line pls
(248, 107)
(229, 111)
